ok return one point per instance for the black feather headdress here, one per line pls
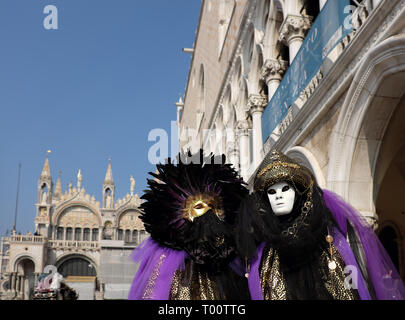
(191, 205)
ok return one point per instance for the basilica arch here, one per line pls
(23, 262)
(76, 264)
(374, 95)
(389, 185)
(23, 275)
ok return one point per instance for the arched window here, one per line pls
(59, 233)
(69, 233)
(78, 234)
(127, 236)
(94, 236)
(44, 193)
(108, 198)
(265, 16)
(311, 8)
(86, 234)
(282, 49)
(120, 234)
(135, 234)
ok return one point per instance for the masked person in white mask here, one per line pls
(300, 242)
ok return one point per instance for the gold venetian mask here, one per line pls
(196, 206)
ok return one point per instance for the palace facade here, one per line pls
(346, 125)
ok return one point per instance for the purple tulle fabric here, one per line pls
(348, 257)
(157, 265)
(255, 286)
(385, 278)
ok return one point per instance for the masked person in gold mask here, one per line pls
(300, 242)
(189, 210)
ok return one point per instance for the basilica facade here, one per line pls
(88, 241)
(345, 125)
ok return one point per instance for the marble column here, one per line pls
(256, 105)
(272, 73)
(10, 282)
(244, 157)
(24, 288)
(13, 280)
(17, 286)
(293, 31)
(36, 275)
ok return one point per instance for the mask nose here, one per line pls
(279, 194)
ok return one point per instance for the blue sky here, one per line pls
(91, 90)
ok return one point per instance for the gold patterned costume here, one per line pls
(274, 286)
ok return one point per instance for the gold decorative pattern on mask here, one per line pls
(199, 204)
(148, 294)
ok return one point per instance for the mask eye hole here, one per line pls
(271, 191)
(199, 206)
(286, 188)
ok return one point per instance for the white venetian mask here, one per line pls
(281, 196)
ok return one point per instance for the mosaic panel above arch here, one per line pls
(78, 216)
(130, 220)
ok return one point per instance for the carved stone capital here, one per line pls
(273, 69)
(294, 27)
(256, 103)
